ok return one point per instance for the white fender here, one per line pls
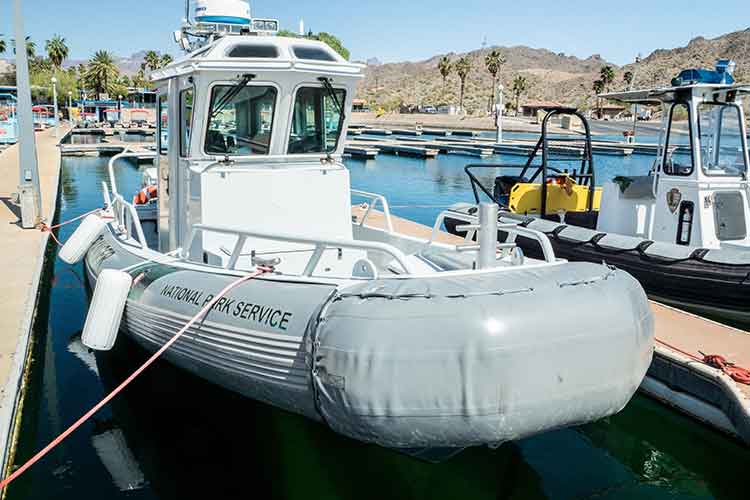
(105, 312)
(78, 244)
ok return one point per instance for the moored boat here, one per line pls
(683, 230)
(406, 342)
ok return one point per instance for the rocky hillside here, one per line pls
(551, 77)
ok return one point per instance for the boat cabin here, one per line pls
(696, 194)
(254, 140)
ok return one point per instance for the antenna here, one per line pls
(484, 42)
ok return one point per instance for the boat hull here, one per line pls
(419, 363)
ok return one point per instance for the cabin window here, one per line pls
(163, 124)
(240, 120)
(678, 154)
(254, 51)
(186, 121)
(317, 120)
(313, 54)
(721, 142)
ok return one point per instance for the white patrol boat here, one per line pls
(410, 343)
(683, 230)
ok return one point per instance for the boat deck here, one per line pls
(692, 387)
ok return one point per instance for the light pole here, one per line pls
(499, 113)
(54, 98)
(119, 108)
(29, 194)
(70, 105)
(635, 106)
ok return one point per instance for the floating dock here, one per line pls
(22, 254)
(678, 377)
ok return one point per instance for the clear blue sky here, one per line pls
(403, 30)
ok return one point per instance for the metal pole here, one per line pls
(487, 236)
(499, 114)
(57, 115)
(29, 194)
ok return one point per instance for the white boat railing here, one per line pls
(320, 246)
(126, 153)
(513, 229)
(127, 220)
(374, 199)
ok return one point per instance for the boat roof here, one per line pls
(714, 92)
(261, 53)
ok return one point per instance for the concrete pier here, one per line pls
(21, 261)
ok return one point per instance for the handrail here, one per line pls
(127, 218)
(513, 229)
(320, 245)
(374, 198)
(126, 153)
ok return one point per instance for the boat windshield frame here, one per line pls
(717, 131)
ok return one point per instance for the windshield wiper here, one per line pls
(231, 94)
(339, 105)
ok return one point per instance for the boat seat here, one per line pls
(728, 256)
(669, 251)
(636, 187)
(577, 234)
(620, 242)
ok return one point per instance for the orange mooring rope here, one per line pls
(50, 229)
(737, 373)
(203, 312)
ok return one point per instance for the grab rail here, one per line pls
(374, 199)
(511, 228)
(320, 246)
(127, 219)
(126, 153)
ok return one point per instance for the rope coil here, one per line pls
(737, 373)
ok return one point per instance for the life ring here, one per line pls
(145, 195)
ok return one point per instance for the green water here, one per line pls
(173, 436)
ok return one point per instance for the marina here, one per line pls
(239, 265)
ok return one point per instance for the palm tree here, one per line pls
(102, 72)
(463, 68)
(493, 61)
(2, 45)
(599, 86)
(152, 60)
(607, 76)
(628, 79)
(445, 66)
(520, 86)
(30, 47)
(57, 50)
(166, 60)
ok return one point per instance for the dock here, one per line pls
(23, 255)
(678, 376)
(111, 145)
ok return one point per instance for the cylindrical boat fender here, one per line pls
(107, 307)
(78, 244)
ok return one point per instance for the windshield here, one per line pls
(240, 122)
(317, 120)
(721, 142)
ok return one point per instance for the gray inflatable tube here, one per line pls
(444, 362)
(484, 359)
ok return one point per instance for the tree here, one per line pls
(139, 80)
(463, 68)
(520, 86)
(30, 47)
(102, 73)
(607, 76)
(445, 66)
(152, 60)
(2, 45)
(493, 61)
(599, 86)
(57, 50)
(628, 79)
(166, 60)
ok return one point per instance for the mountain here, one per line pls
(551, 76)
